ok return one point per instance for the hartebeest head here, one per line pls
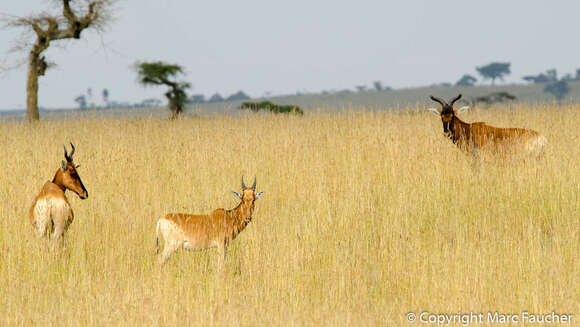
(447, 113)
(68, 178)
(249, 194)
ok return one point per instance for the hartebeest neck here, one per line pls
(58, 180)
(241, 216)
(461, 131)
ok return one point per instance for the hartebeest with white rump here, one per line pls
(480, 136)
(51, 213)
(199, 232)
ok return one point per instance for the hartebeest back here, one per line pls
(199, 232)
(51, 213)
(480, 136)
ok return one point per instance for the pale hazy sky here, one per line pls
(282, 47)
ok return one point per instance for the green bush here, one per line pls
(275, 108)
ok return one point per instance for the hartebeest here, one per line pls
(199, 232)
(480, 136)
(51, 213)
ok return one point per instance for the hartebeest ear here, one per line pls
(259, 194)
(462, 110)
(63, 167)
(435, 111)
(238, 195)
(78, 166)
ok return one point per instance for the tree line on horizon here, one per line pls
(75, 17)
(558, 87)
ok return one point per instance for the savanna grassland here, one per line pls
(366, 216)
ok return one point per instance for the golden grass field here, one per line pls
(366, 216)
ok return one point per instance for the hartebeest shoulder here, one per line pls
(198, 232)
(480, 136)
(51, 213)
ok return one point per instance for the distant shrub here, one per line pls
(536, 79)
(496, 97)
(197, 98)
(550, 76)
(441, 84)
(216, 98)
(559, 89)
(238, 96)
(269, 106)
(466, 80)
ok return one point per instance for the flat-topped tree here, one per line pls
(494, 70)
(75, 17)
(160, 73)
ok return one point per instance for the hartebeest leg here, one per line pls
(42, 222)
(58, 234)
(41, 229)
(168, 250)
(58, 231)
(476, 160)
(223, 249)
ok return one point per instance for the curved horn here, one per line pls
(254, 185)
(66, 156)
(441, 101)
(455, 99)
(243, 185)
(72, 152)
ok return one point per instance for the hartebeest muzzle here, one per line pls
(84, 194)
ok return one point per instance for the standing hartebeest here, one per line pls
(199, 232)
(51, 213)
(480, 136)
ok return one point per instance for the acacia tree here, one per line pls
(74, 18)
(82, 101)
(215, 98)
(494, 70)
(160, 73)
(558, 89)
(106, 97)
(466, 80)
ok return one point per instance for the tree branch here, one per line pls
(37, 29)
(67, 12)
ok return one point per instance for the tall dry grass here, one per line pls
(366, 216)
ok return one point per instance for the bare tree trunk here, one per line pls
(50, 28)
(32, 88)
(175, 108)
(174, 96)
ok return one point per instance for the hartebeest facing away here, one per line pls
(199, 232)
(480, 136)
(51, 213)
